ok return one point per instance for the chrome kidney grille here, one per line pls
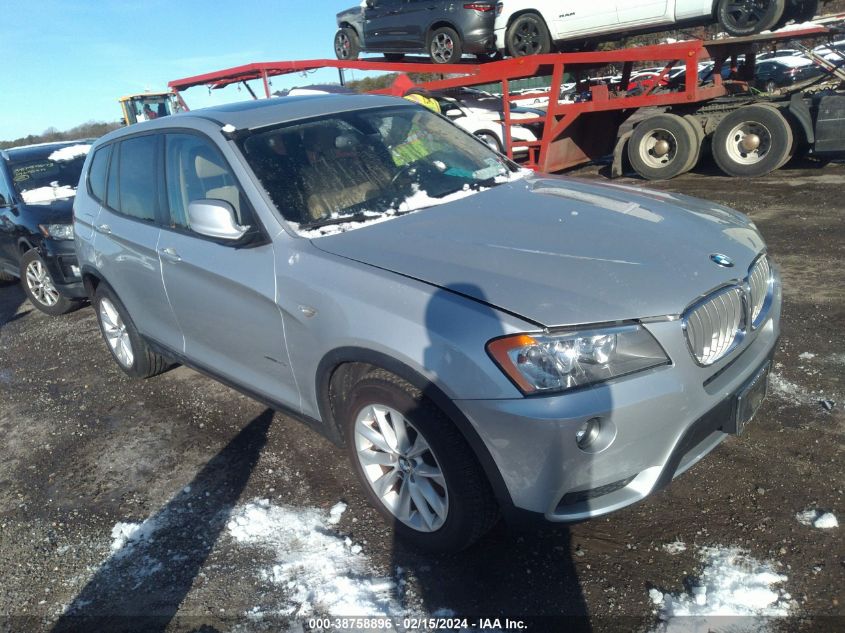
(716, 325)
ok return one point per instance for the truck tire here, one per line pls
(662, 147)
(697, 128)
(752, 141)
(347, 46)
(528, 35)
(747, 17)
(797, 11)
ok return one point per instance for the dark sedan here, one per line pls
(780, 72)
(37, 188)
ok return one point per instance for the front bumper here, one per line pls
(60, 258)
(658, 424)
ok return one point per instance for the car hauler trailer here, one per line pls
(750, 133)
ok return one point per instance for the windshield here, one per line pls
(51, 176)
(370, 165)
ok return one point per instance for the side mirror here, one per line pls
(215, 218)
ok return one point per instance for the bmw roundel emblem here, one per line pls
(722, 260)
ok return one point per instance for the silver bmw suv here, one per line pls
(480, 339)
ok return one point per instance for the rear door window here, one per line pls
(137, 194)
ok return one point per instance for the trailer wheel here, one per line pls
(662, 147)
(752, 141)
(747, 17)
(698, 130)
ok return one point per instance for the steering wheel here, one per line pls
(405, 170)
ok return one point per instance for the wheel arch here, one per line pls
(343, 366)
(521, 12)
(349, 25)
(440, 24)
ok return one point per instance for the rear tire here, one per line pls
(747, 17)
(662, 147)
(39, 287)
(797, 11)
(528, 35)
(444, 46)
(415, 466)
(128, 349)
(347, 46)
(752, 141)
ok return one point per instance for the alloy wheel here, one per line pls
(40, 283)
(527, 39)
(117, 337)
(442, 48)
(401, 468)
(342, 45)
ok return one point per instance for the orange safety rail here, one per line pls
(573, 133)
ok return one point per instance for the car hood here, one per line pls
(54, 212)
(559, 251)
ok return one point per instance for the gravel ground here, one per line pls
(86, 449)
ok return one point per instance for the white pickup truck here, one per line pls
(529, 27)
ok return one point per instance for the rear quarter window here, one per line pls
(97, 173)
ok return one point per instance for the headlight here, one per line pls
(541, 363)
(57, 231)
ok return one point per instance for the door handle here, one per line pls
(170, 255)
(104, 228)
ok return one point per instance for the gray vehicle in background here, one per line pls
(481, 339)
(442, 29)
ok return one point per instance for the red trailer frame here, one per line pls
(573, 133)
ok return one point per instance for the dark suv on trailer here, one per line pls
(37, 188)
(442, 29)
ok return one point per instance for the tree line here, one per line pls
(91, 129)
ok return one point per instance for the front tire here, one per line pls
(347, 46)
(415, 466)
(528, 35)
(39, 287)
(747, 17)
(128, 349)
(752, 141)
(444, 46)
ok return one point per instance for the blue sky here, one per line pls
(65, 62)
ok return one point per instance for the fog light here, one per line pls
(74, 270)
(588, 433)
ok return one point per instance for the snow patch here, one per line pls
(791, 392)
(228, 129)
(806, 356)
(321, 572)
(70, 152)
(732, 584)
(46, 195)
(419, 199)
(675, 548)
(126, 535)
(817, 519)
(336, 512)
